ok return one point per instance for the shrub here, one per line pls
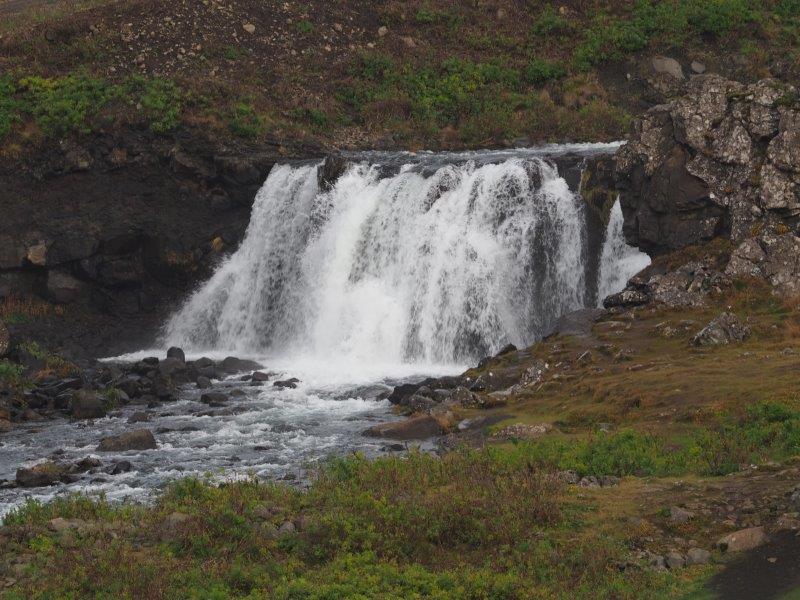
(244, 121)
(550, 23)
(62, 105)
(10, 373)
(540, 71)
(8, 105)
(161, 100)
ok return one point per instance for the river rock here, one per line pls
(176, 352)
(669, 66)
(214, 398)
(141, 439)
(203, 382)
(742, 540)
(287, 383)
(43, 474)
(233, 365)
(415, 428)
(87, 405)
(725, 329)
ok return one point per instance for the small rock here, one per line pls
(414, 428)
(214, 398)
(742, 540)
(288, 383)
(260, 376)
(249, 28)
(674, 560)
(725, 329)
(43, 474)
(382, 31)
(698, 67)
(286, 529)
(679, 515)
(172, 527)
(141, 439)
(86, 405)
(203, 382)
(697, 556)
(123, 466)
(670, 66)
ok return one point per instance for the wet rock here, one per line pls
(139, 417)
(742, 540)
(214, 399)
(177, 353)
(85, 464)
(233, 365)
(725, 329)
(415, 428)
(87, 405)
(331, 170)
(203, 382)
(63, 288)
(123, 466)
(260, 376)
(172, 367)
(287, 383)
(44, 474)
(141, 439)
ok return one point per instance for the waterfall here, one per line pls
(618, 262)
(424, 260)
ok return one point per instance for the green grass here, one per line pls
(471, 525)
(10, 373)
(764, 431)
(245, 121)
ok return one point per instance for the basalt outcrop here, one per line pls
(721, 160)
(119, 225)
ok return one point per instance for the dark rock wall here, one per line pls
(118, 228)
(723, 159)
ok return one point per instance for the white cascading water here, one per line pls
(431, 268)
(619, 261)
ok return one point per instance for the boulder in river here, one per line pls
(43, 474)
(87, 405)
(287, 383)
(176, 352)
(214, 398)
(141, 439)
(238, 365)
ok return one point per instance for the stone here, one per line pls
(742, 540)
(626, 299)
(287, 383)
(415, 428)
(177, 353)
(249, 28)
(63, 288)
(141, 439)
(203, 382)
(87, 405)
(521, 431)
(697, 556)
(139, 417)
(679, 515)
(698, 67)
(214, 398)
(383, 31)
(232, 365)
(674, 560)
(123, 466)
(260, 376)
(171, 366)
(774, 258)
(41, 475)
(669, 66)
(287, 528)
(725, 329)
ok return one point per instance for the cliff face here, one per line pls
(723, 159)
(119, 227)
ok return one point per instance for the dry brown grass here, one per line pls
(14, 308)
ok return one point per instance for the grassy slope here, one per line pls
(446, 73)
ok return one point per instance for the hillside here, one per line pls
(386, 74)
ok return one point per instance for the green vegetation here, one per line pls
(245, 121)
(476, 525)
(765, 431)
(63, 105)
(305, 27)
(10, 373)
